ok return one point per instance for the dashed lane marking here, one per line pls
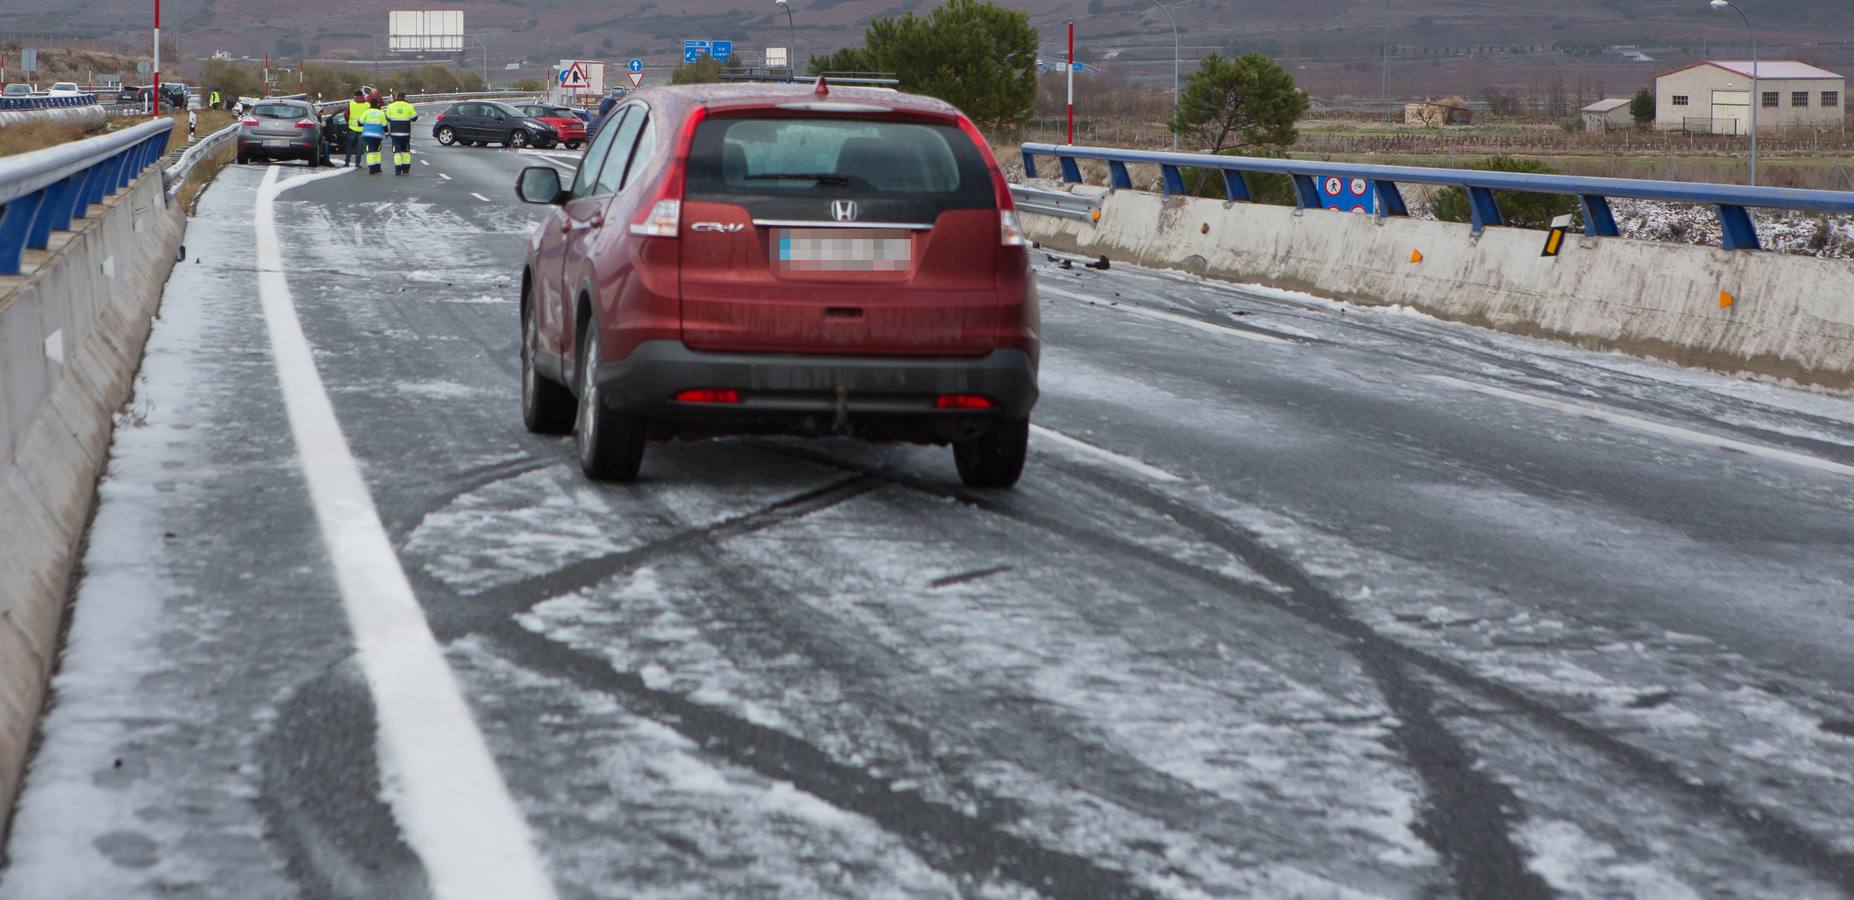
(444, 788)
(1163, 316)
(480, 197)
(424, 162)
(1639, 424)
(444, 176)
(1107, 456)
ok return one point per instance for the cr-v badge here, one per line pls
(728, 228)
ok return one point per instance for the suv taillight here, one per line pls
(664, 220)
(1011, 228)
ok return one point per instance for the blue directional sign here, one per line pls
(721, 50)
(694, 50)
(1077, 66)
(636, 65)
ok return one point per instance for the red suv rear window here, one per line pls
(792, 168)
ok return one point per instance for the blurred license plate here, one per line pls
(844, 250)
(276, 143)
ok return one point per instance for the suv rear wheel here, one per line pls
(611, 445)
(995, 458)
(546, 406)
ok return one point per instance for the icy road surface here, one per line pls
(1295, 600)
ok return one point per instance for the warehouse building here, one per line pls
(1715, 97)
(1605, 115)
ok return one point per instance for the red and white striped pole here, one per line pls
(1071, 139)
(154, 100)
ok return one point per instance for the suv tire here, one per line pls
(994, 459)
(610, 444)
(446, 136)
(546, 406)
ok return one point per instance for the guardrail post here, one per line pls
(103, 179)
(1029, 165)
(1118, 175)
(15, 226)
(1235, 190)
(1482, 210)
(54, 213)
(1071, 170)
(1390, 199)
(1736, 227)
(1174, 180)
(1306, 193)
(1598, 220)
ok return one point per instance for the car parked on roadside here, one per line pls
(569, 128)
(478, 122)
(281, 129)
(751, 258)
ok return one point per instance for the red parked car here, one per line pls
(775, 259)
(570, 128)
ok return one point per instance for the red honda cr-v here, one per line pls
(736, 259)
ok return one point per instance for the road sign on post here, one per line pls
(775, 57)
(721, 50)
(694, 50)
(29, 61)
(635, 65)
(636, 78)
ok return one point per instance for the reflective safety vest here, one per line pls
(215, 98)
(356, 109)
(399, 117)
(373, 123)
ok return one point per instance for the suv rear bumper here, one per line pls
(883, 397)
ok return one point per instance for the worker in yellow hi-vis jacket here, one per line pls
(399, 118)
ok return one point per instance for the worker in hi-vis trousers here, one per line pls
(399, 118)
(356, 107)
(373, 132)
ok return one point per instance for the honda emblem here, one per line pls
(843, 210)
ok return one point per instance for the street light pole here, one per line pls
(791, 53)
(1757, 99)
(1168, 15)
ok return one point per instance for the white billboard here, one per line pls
(425, 30)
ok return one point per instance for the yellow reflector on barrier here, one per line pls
(1726, 299)
(1416, 256)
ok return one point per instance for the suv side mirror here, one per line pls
(540, 184)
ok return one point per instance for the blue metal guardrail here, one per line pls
(44, 190)
(18, 103)
(1730, 200)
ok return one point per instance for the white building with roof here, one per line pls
(1716, 96)
(1604, 115)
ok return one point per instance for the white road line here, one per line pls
(1107, 456)
(444, 176)
(1670, 431)
(444, 788)
(1044, 287)
(424, 162)
(480, 197)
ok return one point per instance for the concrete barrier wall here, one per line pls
(1792, 316)
(71, 334)
(93, 116)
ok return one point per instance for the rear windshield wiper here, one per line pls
(819, 177)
